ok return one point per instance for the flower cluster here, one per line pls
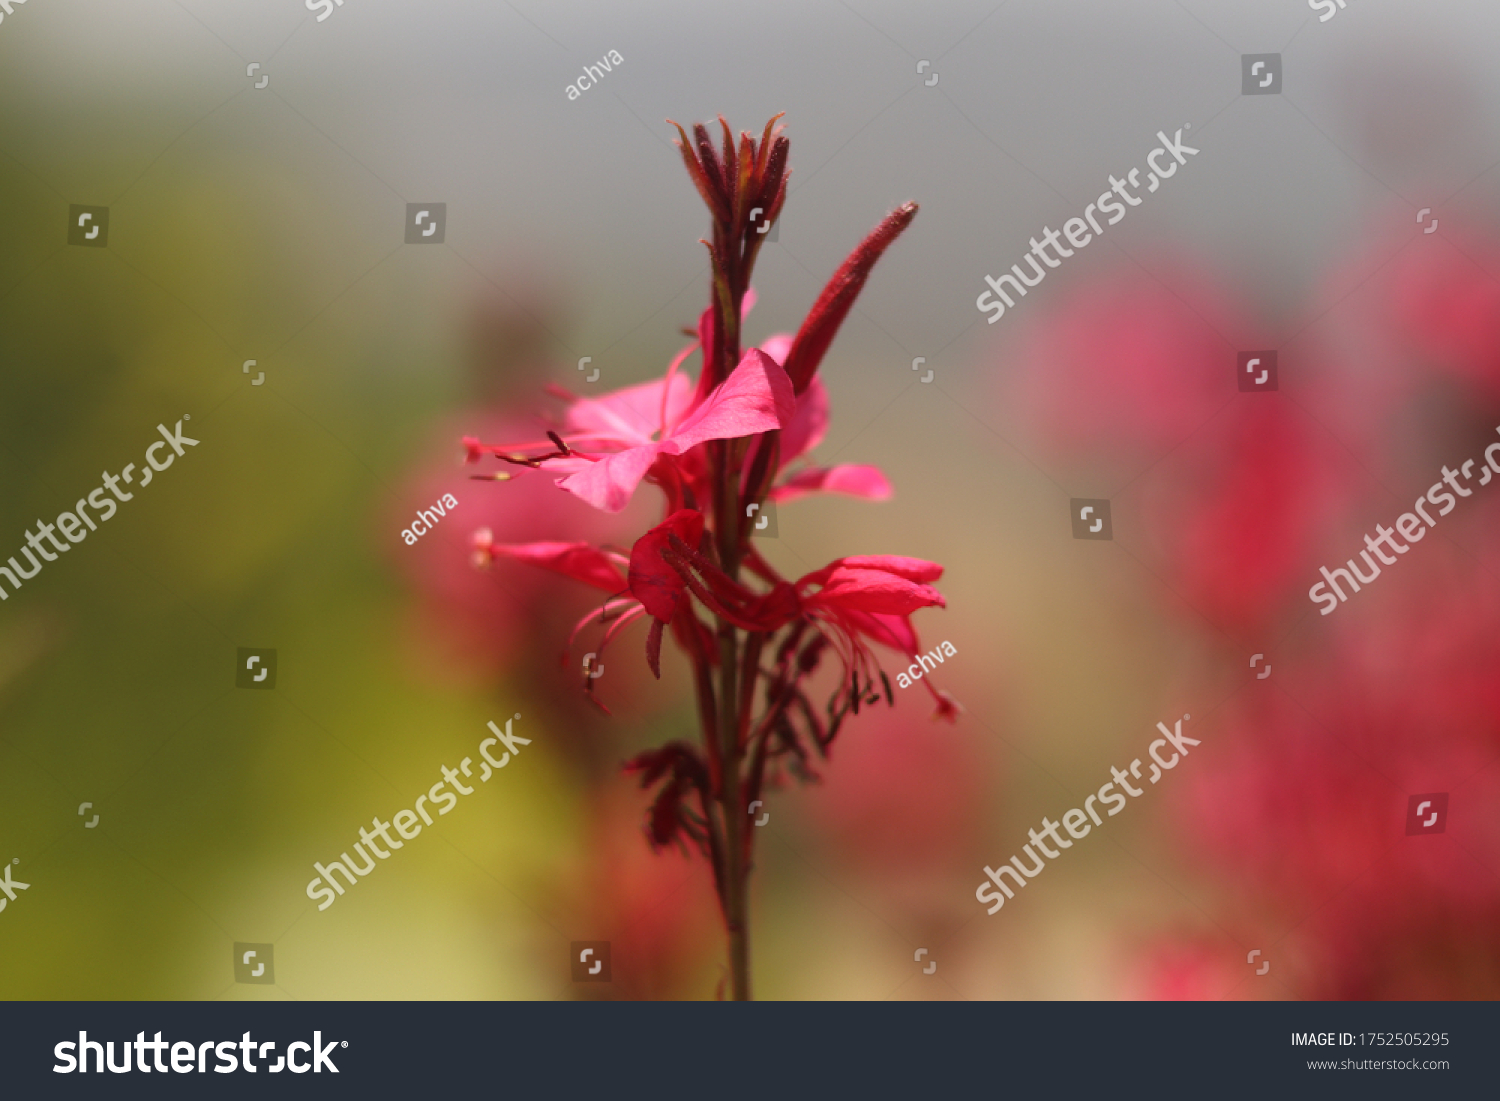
(716, 448)
(1300, 812)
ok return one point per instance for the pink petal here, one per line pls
(670, 417)
(576, 560)
(851, 479)
(609, 483)
(777, 346)
(808, 425)
(875, 591)
(756, 397)
(913, 569)
(632, 415)
(707, 326)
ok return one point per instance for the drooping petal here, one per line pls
(850, 479)
(609, 483)
(808, 424)
(576, 560)
(658, 586)
(913, 569)
(876, 591)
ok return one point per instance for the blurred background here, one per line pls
(262, 219)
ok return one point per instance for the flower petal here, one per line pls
(632, 415)
(609, 483)
(913, 569)
(576, 560)
(655, 584)
(850, 479)
(777, 346)
(808, 425)
(875, 591)
(756, 397)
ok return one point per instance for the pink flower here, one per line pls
(611, 443)
(719, 449)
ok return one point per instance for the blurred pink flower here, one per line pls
(1238, 518)
(1303, 805)
(474, 623)
(1446, 306)
(1124, 364)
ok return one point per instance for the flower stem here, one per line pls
(731, 741)
(736, 902)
